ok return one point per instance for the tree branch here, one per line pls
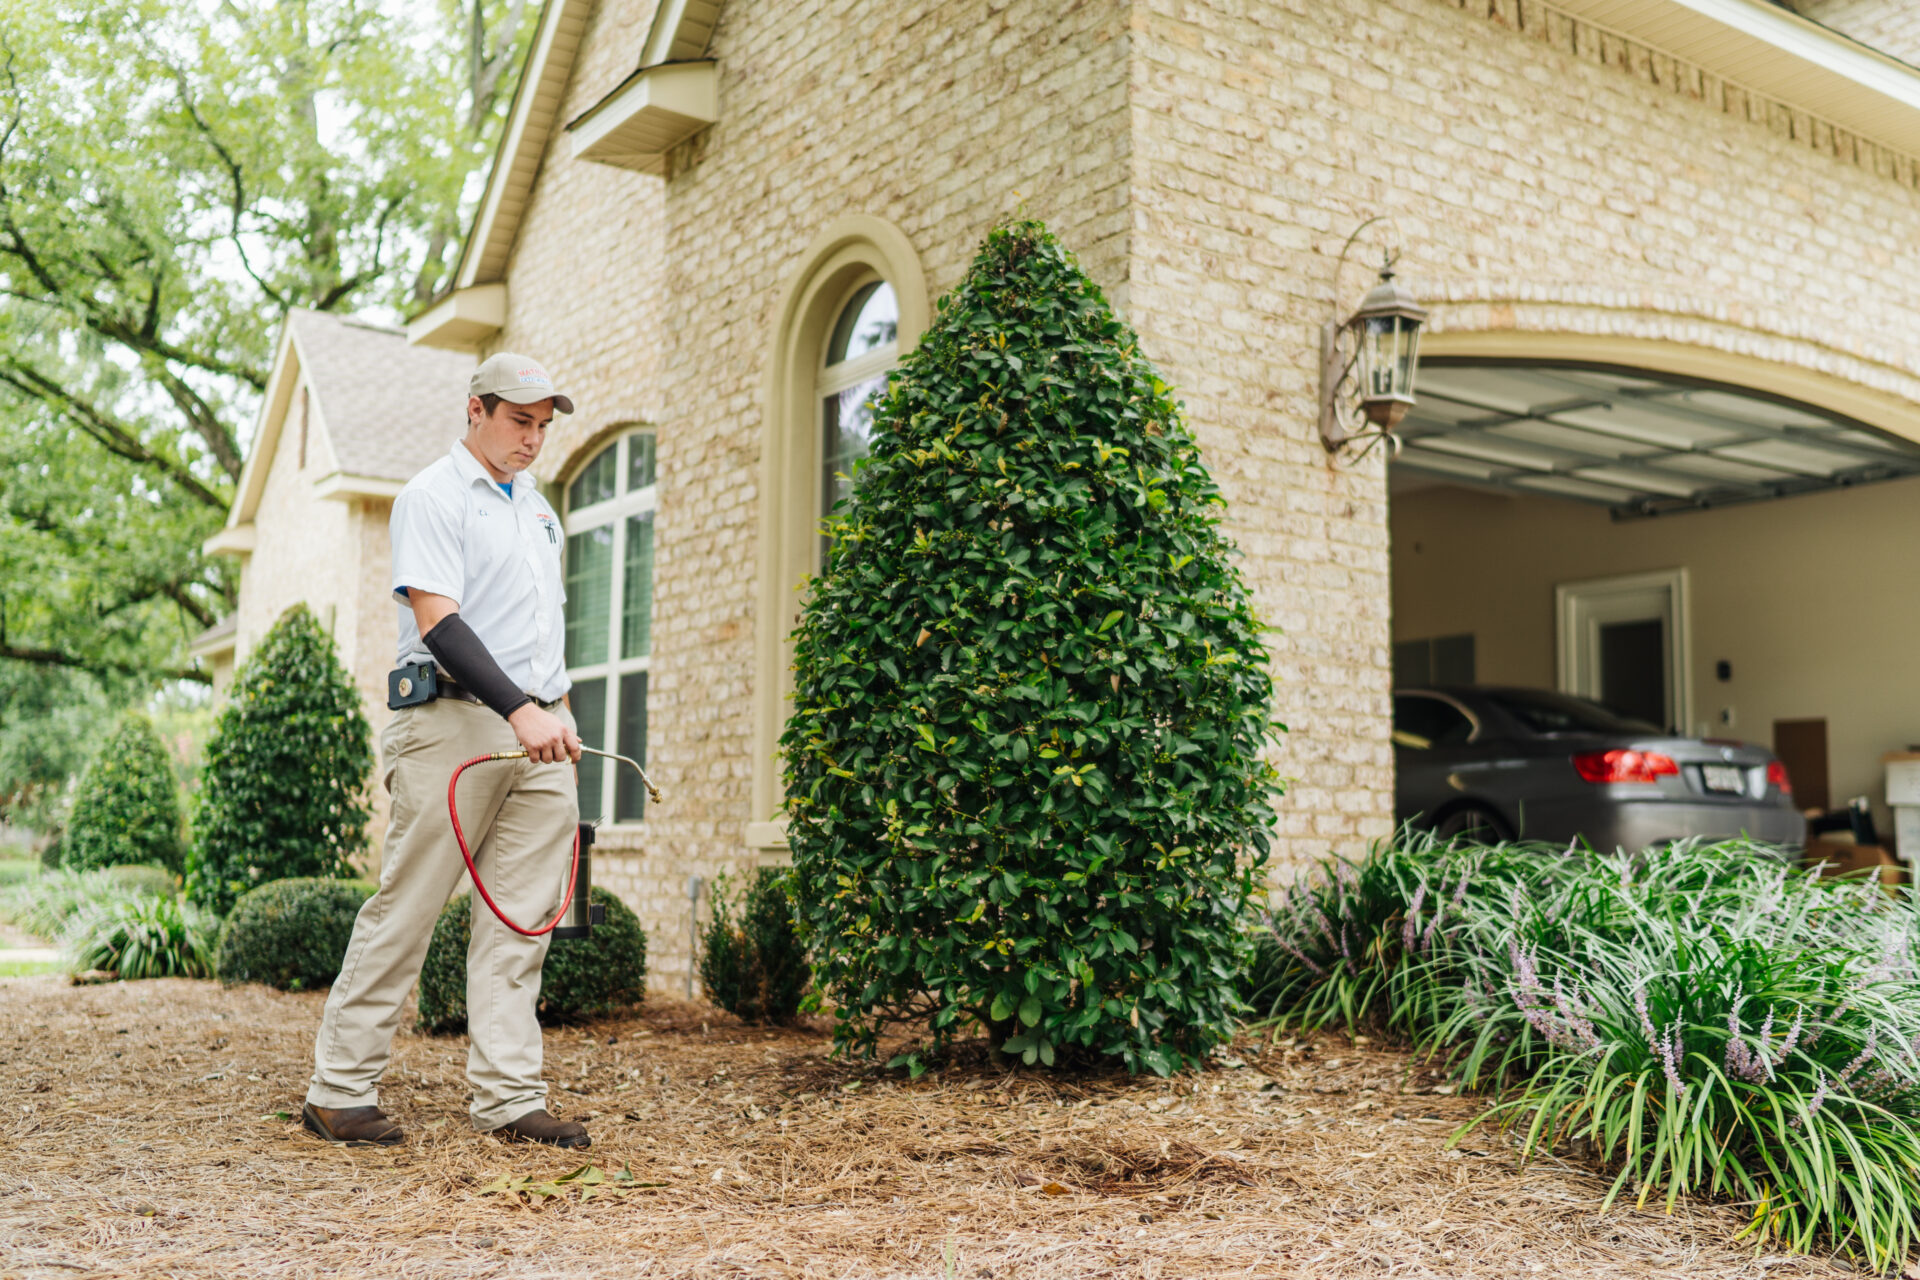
(116, 437)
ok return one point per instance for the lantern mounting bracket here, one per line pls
(1380, 339)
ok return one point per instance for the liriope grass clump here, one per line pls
(1024, 764)
(1705, 1019)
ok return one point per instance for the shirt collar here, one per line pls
(470, 469)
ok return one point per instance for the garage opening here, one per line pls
(1705, 562)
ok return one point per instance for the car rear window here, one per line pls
(1424, 723)
(1548, 713)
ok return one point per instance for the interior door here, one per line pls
(1623, 643)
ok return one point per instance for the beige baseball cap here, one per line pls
(517, 380)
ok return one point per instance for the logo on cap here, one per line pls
(535, 378)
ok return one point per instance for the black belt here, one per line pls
(448, 689)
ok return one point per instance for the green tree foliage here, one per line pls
(127, 809)
(283, 790)
(173, 178)
(290, 934)
(589, 977)
(1023, 763)
(53, 719)
(752, 962)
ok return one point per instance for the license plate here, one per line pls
(1724, 777)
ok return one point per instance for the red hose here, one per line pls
(453, 811)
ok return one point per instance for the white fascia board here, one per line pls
(462, 320)
(213, 648)
(281, 380)
(767, 835)
(1772, 51)
(234, 540)
(342, 487)
(658, 107)
(536, 100)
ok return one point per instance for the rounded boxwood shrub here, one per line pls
(291, 934)
(1024, 763)
(584, 977)
(127, 807)
(283, 790)
(752, 963)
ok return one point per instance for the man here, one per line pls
(477, 574)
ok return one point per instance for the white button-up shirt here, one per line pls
(457, 534)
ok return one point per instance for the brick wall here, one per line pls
(1206, 158)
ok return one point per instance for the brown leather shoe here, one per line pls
(355, 1126)
(538, 1126)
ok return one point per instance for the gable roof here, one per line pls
(680, 32)
(379, 440)
(388, 409)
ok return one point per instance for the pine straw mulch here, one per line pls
(151, 1129)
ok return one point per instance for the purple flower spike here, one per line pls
(1409, 937)
(1460, 890)
(1646, 1023)
(1860, 1060)
(1301, 956)
(1673, 1051)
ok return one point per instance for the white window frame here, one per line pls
(615, 511)
(832, 379)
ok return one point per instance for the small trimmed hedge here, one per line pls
(291, 934)
(752, 963)
(127, 808)
(584, 977)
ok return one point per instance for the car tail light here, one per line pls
(1777, 776)
(1624, 766)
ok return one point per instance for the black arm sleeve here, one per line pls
(456, 648)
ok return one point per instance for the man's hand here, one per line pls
(544, 735)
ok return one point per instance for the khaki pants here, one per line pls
(519, 819)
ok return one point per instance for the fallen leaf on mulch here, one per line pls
(587, 1179)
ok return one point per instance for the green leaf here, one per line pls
(1030, 1010)
(1107, 624)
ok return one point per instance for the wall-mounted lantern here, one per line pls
(1372, 356)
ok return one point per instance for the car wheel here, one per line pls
(1472, 824)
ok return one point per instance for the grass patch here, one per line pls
(1705, 1019)
(27, 968)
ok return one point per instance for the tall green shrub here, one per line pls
(1023, 763)
(283, 789)
(127, 808)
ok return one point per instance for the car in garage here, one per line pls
(1497, 763)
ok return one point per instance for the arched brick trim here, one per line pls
(1686, 341)
(846, 254)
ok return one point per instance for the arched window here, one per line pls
(853, 308)
(609, 522)
(864, 344)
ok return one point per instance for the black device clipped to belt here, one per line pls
(411, 685)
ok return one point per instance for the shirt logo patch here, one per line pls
(546, 522)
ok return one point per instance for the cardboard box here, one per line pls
(1903, 776)
(1843, 858)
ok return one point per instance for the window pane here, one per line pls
(871, 321)
(640, 450)
(589, 594)
(629, 793)
(636, 596)
(589, 700)
(847, 437)
(596, 483)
